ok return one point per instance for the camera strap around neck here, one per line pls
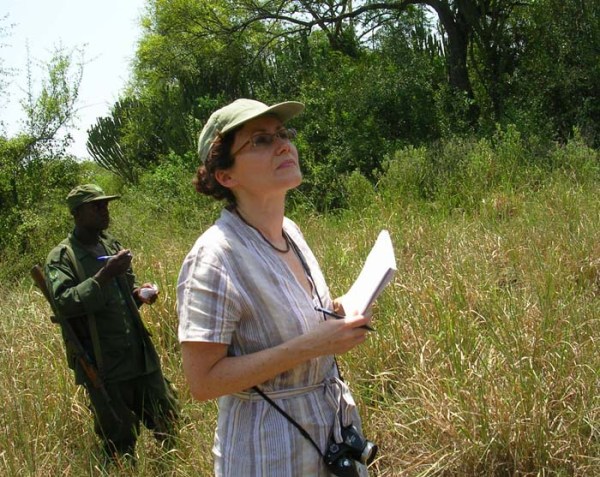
(291, 420)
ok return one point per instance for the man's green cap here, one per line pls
(87, 193)
(237, 113)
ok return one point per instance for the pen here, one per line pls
(107, 257)
(336, 316)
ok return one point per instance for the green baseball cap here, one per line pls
(237, 113)
(87, 193)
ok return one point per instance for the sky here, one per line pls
(107, 30)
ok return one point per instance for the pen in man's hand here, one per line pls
(108, 257)
(337, 316)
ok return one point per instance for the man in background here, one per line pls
(91, 283)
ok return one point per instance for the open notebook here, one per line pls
(377, 272)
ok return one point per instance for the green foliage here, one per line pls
(558, 78)
(343, 132)
(189, 52)
(185, 63)
(51, 110)
(373, 79)
(12, 152)
(34, 171)
(173, 193)
(576, 159)
(359, 192)
(391, 96)
(103, 146)
(27, 186)
(452, 112)
(405, 177)
(163, 203)
(41, 219)
(115, 142)
(49, 114)
(459, 173)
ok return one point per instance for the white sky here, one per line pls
(107, 30)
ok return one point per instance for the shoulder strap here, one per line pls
(91, 317)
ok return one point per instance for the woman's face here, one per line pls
(260, 168)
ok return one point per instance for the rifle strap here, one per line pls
(91, 317)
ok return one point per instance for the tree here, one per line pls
(182, 71)
(51, 111)
(26, 158)
(104, 146)
(348, 22)
(4, 72)
(191, 60)
(186, 48)
(558, 85)
(130, 140)
(48, 113)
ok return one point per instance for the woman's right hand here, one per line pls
(211, 373)
(337, 336)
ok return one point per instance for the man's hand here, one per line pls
(115, 266)
(147, 293)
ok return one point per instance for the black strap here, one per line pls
(306, 268)
(81, 276)
(290, 419)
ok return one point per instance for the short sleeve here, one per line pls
(207, 301)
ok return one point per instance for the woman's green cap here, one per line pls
(237, 113)
(87, 193)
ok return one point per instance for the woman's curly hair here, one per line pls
(219, 158)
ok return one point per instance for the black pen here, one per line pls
(337, 317)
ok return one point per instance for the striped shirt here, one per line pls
(236, 290)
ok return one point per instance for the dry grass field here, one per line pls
(485, 360)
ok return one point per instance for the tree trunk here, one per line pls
(458, 31)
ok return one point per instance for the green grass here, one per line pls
(485, 360)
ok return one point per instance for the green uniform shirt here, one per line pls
(126, 349)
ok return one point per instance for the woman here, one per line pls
(247, 294)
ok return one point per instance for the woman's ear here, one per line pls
(224, 178)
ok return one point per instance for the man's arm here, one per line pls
(74, 296)
(71, 296)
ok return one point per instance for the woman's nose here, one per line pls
(282, 145)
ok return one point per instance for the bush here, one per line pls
(576, 159)
(459, 173)
(37, 231)
(406, 177)
(359, 192)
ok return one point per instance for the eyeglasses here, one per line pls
(266, 140)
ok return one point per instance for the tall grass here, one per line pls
(485, 360)
(485, 357)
